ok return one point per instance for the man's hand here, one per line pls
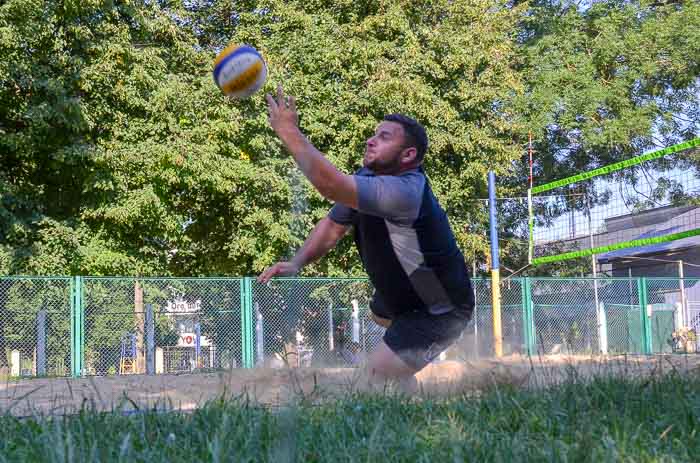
(323, 175)
(282, 113)
(280, 269)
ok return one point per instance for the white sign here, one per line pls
(181, 306)
(188, 340)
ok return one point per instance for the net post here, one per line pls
(495, 276)
(531, 227)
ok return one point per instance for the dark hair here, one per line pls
(415, 133)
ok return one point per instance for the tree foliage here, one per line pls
(120, 156)
(603, 83)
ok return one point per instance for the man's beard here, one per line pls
(381, 166)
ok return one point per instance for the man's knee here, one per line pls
(385, 362)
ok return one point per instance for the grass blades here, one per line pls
(605, 418)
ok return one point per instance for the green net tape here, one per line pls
(614, 247)
(617, 166)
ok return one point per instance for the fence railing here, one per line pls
(75, 326)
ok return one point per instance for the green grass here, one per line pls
(603, 419)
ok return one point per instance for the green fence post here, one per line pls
(645, 316)
(247, 321)
(528, 319)
(76, 326)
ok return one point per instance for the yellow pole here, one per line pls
(496, 306)
(495, 276)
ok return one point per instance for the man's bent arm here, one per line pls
(323, 175)
(322, 239)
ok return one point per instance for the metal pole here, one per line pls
(684, 304)
(197, 343)
(602, 330)
(531, 228)
(593, 260)
(41, 343)
(495, 277)
(150, 341)
(631, 304)
(476, 331)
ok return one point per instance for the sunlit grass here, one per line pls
(604, 418)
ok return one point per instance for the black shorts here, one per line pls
(418, 337)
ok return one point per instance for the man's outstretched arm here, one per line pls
(323, 175)
(322, 239)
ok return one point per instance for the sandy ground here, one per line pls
(281, 386)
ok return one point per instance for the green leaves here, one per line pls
(114, 136)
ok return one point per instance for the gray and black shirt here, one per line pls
(406, 245)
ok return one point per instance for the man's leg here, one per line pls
(411, 341)
(384, 365)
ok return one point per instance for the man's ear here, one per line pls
(408, 156)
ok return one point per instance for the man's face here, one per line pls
(384, 149)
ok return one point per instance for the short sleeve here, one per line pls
(396, 198)
(342, 214)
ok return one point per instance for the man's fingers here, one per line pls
(292, 104)
(279, 269)
(267, 274)
(280, 96)
(271, 105)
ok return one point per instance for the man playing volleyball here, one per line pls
(423, 294)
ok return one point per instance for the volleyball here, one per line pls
(239, 71)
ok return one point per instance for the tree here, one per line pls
(125, 158)
(604, 83)
(447, 63)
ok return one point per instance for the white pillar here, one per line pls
(678, 316)
(602, 329)
(14, 363)
(331, 327)
(259, 335)
(160, 366)
(355, 321)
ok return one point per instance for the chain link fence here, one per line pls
(35, 326)
(672, 303)
(564, 316)
(477, 340)
(105, 326)
(196, 324)
(313, 322)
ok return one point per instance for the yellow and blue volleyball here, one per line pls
(239, 71)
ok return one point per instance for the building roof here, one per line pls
(685, 219)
